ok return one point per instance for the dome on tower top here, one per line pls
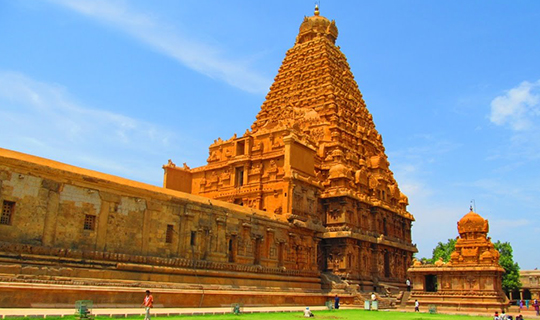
(472, 222)
(317, 26)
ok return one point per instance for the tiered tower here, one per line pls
(473, 246)
(314, 158)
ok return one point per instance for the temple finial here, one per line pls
(316, 9)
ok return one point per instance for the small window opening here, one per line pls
(281, 254)
(192, 239)
(239, 202)
(232, 249)
(240, 148)
(239, 176)
(8, 207)
(89, 222)
(169, 234)
(387, 264)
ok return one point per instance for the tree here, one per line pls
(443, 250)
(510, 281)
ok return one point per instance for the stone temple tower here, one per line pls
(472, 279)
(314, 158)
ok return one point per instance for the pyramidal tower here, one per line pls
(314, 158)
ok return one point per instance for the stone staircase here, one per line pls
(404, 298)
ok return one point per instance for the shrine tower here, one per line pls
(472, 279)
(314, 158)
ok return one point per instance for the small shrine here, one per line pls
(472, 279)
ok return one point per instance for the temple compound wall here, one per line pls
(77, 234)
(530, 289)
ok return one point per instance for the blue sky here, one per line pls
(123, 86)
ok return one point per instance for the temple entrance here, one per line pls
(431, 283)
(527, 294)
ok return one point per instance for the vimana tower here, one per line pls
(314, 159)
(300, 208)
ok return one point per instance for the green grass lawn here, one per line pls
(350, 314)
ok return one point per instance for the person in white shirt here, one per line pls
(308, 313)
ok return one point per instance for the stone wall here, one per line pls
(71, 226)
(530, 285)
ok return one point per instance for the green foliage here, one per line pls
(510, 280)
(443, 250)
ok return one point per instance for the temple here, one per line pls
(301, 207)
(470, 280)
(530, 289)
(314, 158)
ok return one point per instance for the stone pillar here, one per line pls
(221, 241)
(375, 264)
(315, 243)
(50, 220)
(270, 241)
(109, 202)
(186, 225)
(102, 226)
(147, 218)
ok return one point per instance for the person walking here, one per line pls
(148, 303)
(520, 305)
(336, 302)
(408, 283)
(536, 307)
(416, 306)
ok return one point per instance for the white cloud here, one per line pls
(43, 119)
(518, 107)
(197, 56)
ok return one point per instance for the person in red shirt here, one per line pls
(148, 303)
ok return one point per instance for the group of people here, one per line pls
(536, 305)
(148, 303)
(504, 316)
